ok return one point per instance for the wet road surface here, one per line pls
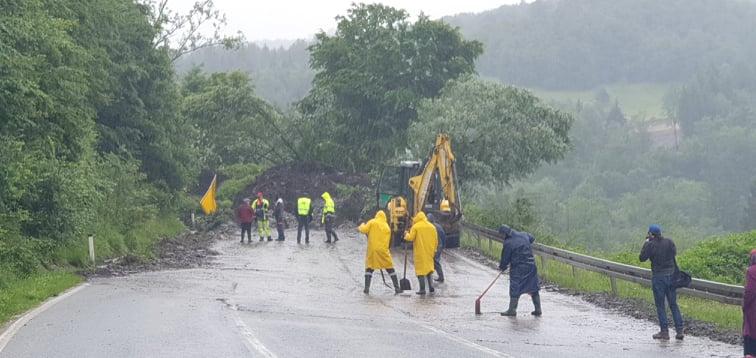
(280, 299)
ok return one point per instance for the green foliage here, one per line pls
(231, 123)
(370, 76)
(238, 177)
(721, 259)
(498, 132)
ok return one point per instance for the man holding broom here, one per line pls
(523, 276)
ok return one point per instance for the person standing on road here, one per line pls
(245, 216)
(749, 309)
(378, 255)
(424, 243)
(441, 243)
(304, 216)
(278, 214)
(661, 251)
(517, 254)
(261, 207)
(329, 216)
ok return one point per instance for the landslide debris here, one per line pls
(350, 191)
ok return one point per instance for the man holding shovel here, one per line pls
(424, 240)
(378, 255)
(523, 275)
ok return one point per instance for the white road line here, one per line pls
(21, 322)
(250, 340)
(465, 342)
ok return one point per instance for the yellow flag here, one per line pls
(208, 203)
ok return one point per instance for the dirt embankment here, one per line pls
(626, 306)
(350, 191)
(189, 249)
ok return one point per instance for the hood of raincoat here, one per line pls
(505, 230)
(420, 216)
(326, 196)
(381, 216)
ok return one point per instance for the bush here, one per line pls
(723, 259)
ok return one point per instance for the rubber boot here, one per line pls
(270, 238)
(537, 303)
(512, 311)
(395, 280)
(368, 277)
(663, 335)
(440, 272)
(421, 282)
(430, 286)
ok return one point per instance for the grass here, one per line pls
(109, 242)
(18, 296)
(722, 315)
(635, 100)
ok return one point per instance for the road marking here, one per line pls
(250, 340)
(464, 342)
(21, 322)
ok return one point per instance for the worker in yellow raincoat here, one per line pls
(378, 255)
(424, 240)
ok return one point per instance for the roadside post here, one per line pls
(91, 249)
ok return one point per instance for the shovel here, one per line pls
(477, 301)
(404, 283)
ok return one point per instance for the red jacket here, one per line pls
(244, 214)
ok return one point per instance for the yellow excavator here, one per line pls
(431, 187)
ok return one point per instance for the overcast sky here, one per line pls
(293, 19)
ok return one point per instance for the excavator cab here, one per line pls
(430, 186)
(395, 197)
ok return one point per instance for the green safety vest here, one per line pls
(303, 206)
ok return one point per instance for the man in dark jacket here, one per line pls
(661, 251)
(278, 214)
(523, 276)
(245, 216)
(441, 242)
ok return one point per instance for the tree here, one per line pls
(232, 124)
(371, 75)
(181, 34)
(498, 132)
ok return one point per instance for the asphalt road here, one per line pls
(280, 299)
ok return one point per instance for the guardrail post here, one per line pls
(490, 246)
(574, 273)
(613, 281)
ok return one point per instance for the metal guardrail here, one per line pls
(720, 292)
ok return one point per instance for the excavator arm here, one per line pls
(441, 161)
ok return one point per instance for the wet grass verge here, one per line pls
(19, 295)
(705, 318)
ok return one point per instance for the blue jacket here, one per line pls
(518, 254)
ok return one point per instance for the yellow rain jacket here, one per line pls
(424, 242)
(329, 207)
(378, 255)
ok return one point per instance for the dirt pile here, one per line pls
(190, 249)
(350, 191)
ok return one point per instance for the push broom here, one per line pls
(477, 301)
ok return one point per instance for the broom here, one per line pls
(477, 301)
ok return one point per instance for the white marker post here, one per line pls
(91, 249)
(192, 219)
